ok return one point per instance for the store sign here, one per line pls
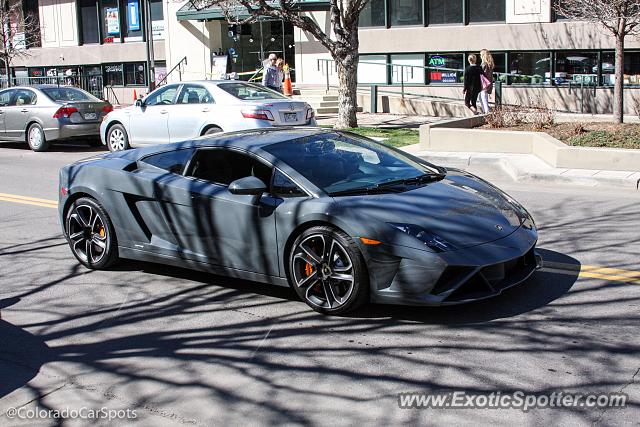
(117, 68)
(112, 19)
(219, 66)
(157, 28)
(133, 15)
(437, 61)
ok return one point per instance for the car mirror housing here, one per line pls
(139, 103)
(248, 186)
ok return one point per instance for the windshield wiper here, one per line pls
(420, 179)
(362, 190)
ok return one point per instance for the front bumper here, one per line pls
(400, 275)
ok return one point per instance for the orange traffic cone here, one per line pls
(287, 90)
(135, 96)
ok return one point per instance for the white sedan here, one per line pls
(185, 110)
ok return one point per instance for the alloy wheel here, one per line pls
(35, 137)
(88, 234)
(323, 270)
(117, 140)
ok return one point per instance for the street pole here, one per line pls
(149, 46)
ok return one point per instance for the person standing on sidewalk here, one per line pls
(270, 77)
(486, 78)
(472, 84)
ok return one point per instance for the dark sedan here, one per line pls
(340, 218)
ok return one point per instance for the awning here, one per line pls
(189, 12)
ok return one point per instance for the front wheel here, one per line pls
(117, 138)
(327, 271)
(90, 234)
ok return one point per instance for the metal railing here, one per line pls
(177, 67)
(110, 95)
(92, 84)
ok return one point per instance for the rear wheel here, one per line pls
(36, 138)
(212, 130)
(90, 234)
(327, 271)
(117, 138)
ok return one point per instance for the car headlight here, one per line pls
(431, 240)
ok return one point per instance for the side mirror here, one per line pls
(139, 103)
(248, 186)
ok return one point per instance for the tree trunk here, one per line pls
(618, 99)
(6, 71)
(347, 91)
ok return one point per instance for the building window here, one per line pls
(631, 68)
(373, 14)
(134, 74)
(89, 21)
(110, 21)
(445, 11)
(372, 69)
(405, 12)
(113, 74)
(486, 10)
(534, 67)
(31, 13)
(443, 68)
(133, 18)
(414, 73)
(576, 67)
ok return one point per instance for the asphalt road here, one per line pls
(178, 347)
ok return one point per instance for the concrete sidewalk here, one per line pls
(529, 168)
(382, 120)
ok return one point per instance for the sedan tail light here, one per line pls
(107, 109)
(257, 114)
(65, 112)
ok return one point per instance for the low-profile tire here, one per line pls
(212, 130)
(327, 271)
(90, 234)
(117, 138)
(36, 138)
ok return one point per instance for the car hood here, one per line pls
(461, 209)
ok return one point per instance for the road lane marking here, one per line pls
(34, 201)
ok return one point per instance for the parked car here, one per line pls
(340, 218)
(185, 110)
(42, 114)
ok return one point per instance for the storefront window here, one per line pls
(113, 74)
(445, 12)
(405, 12)
(89, 21)
(110, 21)
(133, 16)
(576, 67)
(414, 73)
(445, 68)
(373, 14)
(372, 69)
(487, 10)
(134, 74)
(631, 68)
(534, 67)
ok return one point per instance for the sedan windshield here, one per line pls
(342, 164)
(249, 91)
(68, 94)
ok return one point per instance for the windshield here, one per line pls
(68, 94)
(249, 91)
(341, 163)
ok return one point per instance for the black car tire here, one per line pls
(90, 234)
(36, 138)
(117, 138)
(323, 281)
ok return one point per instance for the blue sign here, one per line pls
(133, 15)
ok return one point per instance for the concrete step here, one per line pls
(331, 110)
(323, 104)
(316, 98)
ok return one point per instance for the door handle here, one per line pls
(163, 112)
(24, 111)
(205, 110)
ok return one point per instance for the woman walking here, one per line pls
(486, 78)
(472, 83)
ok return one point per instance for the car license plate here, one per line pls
(290, 117)
(90, 116)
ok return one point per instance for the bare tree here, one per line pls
(342, 43)
(17, 30)
(620, 18)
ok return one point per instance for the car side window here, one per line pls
(24, 97)
(193, 94)
(163, 96)
(172, 161)
(284, 187)
(223, 166)
(5, 97)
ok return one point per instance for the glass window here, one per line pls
(223, 166)
(412, 74)
(110, 21)
(339, 163)
(162, 96)
(282, 186)
(405, 12)
(134, 74)
(249, 91)
(132, 21)
(24, 97)
(534, 67)
(193, 94)
(631, 68)
(373, 14)
(445, 68)
(89, 21)
(157, 13)
(113, 74)
(172, 161)
(576, 67)
(487, 10)
(445, 11)
(68, 94)
(372, 69)
(5, 97)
